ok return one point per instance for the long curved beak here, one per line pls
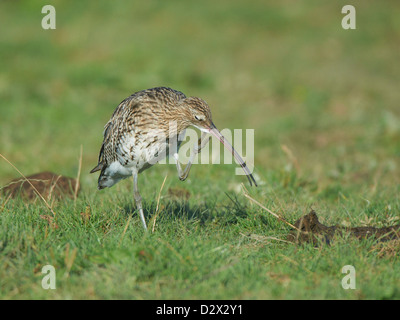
(215, 132)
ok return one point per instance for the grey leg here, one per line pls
(183, 174)
(138, 199)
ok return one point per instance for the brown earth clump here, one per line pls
(178, 193)
(48, 184)
(312, 231)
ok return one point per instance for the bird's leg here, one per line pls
(183, 174)
(138, 199)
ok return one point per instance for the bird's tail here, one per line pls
(99, 167)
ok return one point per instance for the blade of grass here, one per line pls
(158, 202)
(77, 184)
(245, 193)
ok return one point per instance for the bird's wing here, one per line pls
(124, 116)
(106, 134)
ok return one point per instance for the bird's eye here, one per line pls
(198, 118)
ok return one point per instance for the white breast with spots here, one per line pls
(145, 151)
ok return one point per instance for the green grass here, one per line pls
(329, 96)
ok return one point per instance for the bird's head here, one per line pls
(198, 114)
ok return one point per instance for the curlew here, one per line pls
(141, 132)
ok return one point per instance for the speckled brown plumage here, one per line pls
(144, 111)
(141, 129)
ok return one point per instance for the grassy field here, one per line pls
(324, 104)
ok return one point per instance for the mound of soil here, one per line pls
(314, 232)
(178, 193)
(50, 186)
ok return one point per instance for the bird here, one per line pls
(143, 129)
